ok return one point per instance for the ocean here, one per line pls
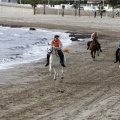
(21, 45)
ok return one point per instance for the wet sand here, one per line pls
(90, 89)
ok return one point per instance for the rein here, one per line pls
(56, 53)
(53, 51)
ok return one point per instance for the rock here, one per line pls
(32, 29)
(74, 39)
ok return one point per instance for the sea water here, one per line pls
(21, 45)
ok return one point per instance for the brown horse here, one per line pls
(94, 47)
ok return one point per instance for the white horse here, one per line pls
(54, 61)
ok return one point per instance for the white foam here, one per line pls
(24, 37)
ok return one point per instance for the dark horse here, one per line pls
(94, 46)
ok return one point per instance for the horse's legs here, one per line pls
(62, 73)
(97, 53)
(54, 73)
(92, 53)
(57, 72)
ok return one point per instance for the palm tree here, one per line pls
(63, 7)
(34, 4)
(113, 3)
(44, 7)
(101, 10)
(75, 7)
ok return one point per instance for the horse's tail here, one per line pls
(66, 50)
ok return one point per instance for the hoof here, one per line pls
(62, 77)
(54, 79)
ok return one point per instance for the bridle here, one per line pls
(53, 51)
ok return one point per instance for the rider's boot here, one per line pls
(116, 61)
(116, 56)
(62, 64)
(48, 56)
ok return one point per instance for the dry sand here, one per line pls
(90, 89)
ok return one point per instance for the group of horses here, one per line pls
(55, 60)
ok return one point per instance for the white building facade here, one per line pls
(11, 1)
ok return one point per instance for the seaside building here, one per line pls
(9, 1)
(96, 1)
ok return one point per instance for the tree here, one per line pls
(34, 4)
(101, 10)
(113, 3)
(44, 7)
(75, 7)
(79, 6)
(63, 7)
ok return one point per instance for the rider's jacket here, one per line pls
(119, 44)
(57, 43)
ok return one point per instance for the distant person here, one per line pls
(117, 52)
(56, 43)
(95, 14)
(101, 14)
(117, 13)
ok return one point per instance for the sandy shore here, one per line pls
(90, 89)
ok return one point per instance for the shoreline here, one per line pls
(73, 34)
(88, 87)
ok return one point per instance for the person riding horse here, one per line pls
(117, 52)
(94, 38)
(56, 43)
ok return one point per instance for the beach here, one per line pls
(90, 89)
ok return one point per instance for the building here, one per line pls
(10, 1)
(96, 1)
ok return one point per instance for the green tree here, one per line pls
(63, 7)
(113, 4)
(101, 10)
(75, 7)
(34, 4)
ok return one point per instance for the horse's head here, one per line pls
(49, 48)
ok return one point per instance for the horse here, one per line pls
(54, 63)
(119, 57)
(94, 47)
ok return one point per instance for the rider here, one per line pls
(117, 52)
(56, 43)
(94, 37)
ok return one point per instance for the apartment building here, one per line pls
(10, 1)
(96, 1)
